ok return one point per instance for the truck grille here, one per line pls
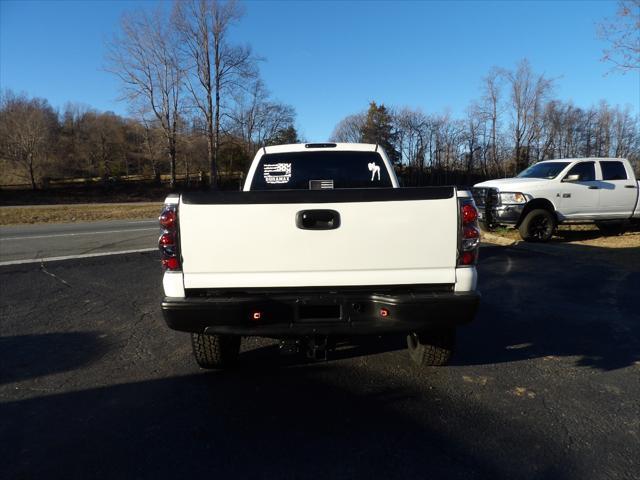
(485, 196)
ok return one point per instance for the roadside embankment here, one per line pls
(33, 214)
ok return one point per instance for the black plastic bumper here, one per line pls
(503, 215)
(323, 314)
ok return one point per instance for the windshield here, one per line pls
(320, 170)
(543, 170)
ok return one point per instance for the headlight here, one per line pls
(513, 198)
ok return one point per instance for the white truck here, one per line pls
(321, 244)
(603, 191)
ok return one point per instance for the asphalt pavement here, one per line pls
(25, 243)
(544, 384)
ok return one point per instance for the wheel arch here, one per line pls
(535, 204)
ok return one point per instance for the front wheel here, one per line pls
(433, 347)
(538, 226)
(215, 351)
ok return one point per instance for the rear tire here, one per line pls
(433, 347)
(538, 226)
(215, 351)
(611, 229)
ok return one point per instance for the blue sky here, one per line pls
(329, 59)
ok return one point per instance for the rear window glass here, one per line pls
(320, 170)
(613, 171)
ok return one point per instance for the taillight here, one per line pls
(171, 263)
(168, 218)
(469, 213)
(168, 242)
(469, 233)
(467, 258)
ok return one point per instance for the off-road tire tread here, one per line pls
(435, 348)
(215, 351)
(524, 226)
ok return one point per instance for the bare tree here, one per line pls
(528, 93)
(625, 133)
(412, 128)
(471, 134)
(216, 67)
(623, 36)
(257, 119)
(27, 130)
(146, 59)
(491, 110)
(103, 140)
(350, 128)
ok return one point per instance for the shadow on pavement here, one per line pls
(557, 305)
(24, 357)
(359, 346)
(318, 421)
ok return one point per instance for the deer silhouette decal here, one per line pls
(375, 170)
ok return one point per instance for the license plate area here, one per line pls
(324, 312)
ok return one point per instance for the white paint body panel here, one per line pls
(173, 284)
(466, 279)
(377, 243)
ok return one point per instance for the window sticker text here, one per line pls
(277, 172)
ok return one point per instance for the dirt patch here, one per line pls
(591, 236)
(78, 213)
(583, 235)
(580, 243)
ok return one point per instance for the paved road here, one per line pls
(34, 242)
(544, 385)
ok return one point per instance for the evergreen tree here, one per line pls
(284, 136)
(378, 128)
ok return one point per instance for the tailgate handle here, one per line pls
(317, 219)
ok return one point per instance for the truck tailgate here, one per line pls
(385, 237)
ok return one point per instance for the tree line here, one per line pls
(196, 103)
(38, 143)
(515, 122)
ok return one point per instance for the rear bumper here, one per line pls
(333, 313)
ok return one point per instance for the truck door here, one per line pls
(579, 198)
(618, 190)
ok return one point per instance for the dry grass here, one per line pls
(78, 213)
(584, 235)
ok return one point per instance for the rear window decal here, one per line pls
(375, 170)
(320, 184)
(277, 172)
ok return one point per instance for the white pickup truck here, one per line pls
(603, 191)
(320, 244)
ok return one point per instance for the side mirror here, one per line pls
(571, 178)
